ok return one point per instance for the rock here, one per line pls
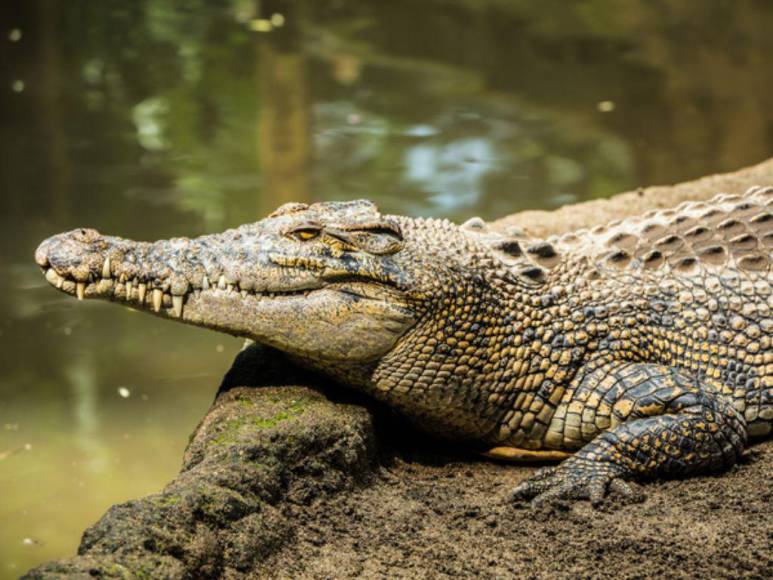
(259, 450)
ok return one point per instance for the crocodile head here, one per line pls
(329, 282)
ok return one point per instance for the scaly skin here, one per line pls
(642, 347)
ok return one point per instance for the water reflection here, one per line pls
(148, 119)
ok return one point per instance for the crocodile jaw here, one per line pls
(295, 310)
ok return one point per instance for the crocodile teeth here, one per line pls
(221, 283)
(177, 306)
(142, 289)
(106, 268)
(80, 290)
(54, 278)
(157, 296)
(128, 289)
(205, 283)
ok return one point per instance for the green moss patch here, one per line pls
(233, 428)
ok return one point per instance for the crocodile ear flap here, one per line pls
(374, 240)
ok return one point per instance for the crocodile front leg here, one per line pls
(635, 420)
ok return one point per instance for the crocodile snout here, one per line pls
(62, 248)
(71, 253)
(76, 256)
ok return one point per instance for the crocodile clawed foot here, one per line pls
(576, 479)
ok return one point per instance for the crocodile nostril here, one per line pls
(85, 235)
(41, 255)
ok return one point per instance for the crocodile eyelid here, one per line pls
(387, 231)
(305, 231)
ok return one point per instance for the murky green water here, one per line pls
(153, 118)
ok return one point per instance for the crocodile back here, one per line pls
(728, 232)
(698, 282)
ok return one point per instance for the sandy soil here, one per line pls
(430, 515)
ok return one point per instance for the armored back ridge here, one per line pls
(641, 347)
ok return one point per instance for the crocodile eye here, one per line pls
(304, 232)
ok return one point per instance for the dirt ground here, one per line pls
(428, 516)
(283, 481)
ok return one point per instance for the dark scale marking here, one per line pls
(763, 218)
(744, 242)
(670, 241)
(534, 273)
(619, 258)
(697, 232)
(686, 263)
(510, 247)
(731, 224)
(713, 254)
(653, 258)
(710, 214)
(756, 262)
(543, 251)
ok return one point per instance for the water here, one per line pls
(152, 119)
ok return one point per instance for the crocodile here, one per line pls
(634, 350)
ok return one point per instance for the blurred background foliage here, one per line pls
(159, 118)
